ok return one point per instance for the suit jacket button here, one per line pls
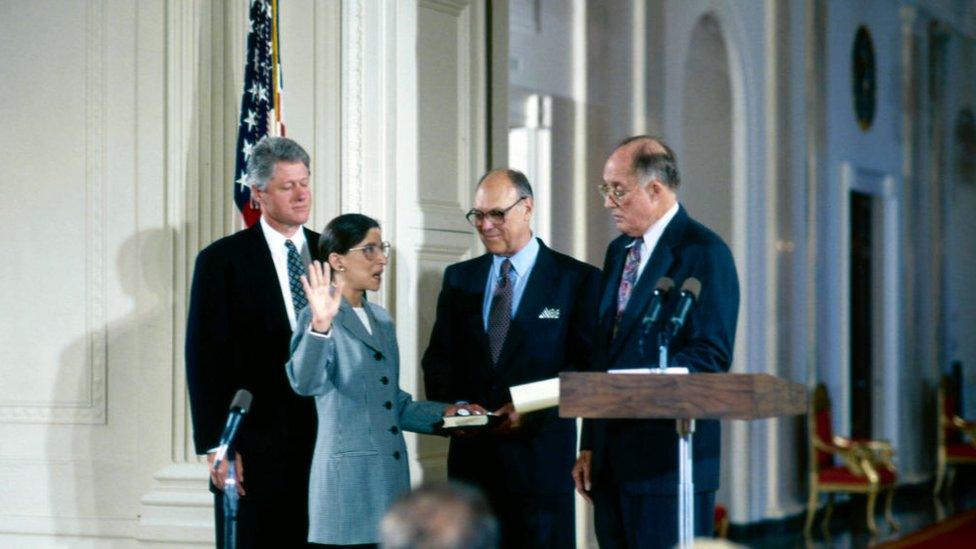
(394, 429)
(384, 380)
(396, 455)
(388, 405)
(378, 355)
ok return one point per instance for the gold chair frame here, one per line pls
(950, 421)
(863, 458)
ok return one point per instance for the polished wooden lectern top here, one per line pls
(678, 396)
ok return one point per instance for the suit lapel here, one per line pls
(312, 241)
(384, 333)
(475, 280)
(538, 291)
(348, 319)
(657, 266)
(266, 276)
(609, 298)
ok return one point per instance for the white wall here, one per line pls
(560, 49)
(87, 354)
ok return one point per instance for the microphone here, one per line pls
(661, 289)
(689, 294)
(238, 407)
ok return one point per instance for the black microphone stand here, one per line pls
(231, 500)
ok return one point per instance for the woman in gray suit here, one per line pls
(344, 353)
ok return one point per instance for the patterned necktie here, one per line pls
(295, 270)
(629, 278)
(500, 313)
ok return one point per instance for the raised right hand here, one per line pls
(323, 297)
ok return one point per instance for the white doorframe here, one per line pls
(888, 323)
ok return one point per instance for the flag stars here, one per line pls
(257, 117)
(251, 120)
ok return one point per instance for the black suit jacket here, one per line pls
(237, 337)
(457, 366)
(642, 454)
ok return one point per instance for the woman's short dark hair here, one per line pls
(344, 232)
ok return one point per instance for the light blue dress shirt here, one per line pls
(522, 263)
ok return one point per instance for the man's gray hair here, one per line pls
(651, 164)
(440, 516)
(518, 179)
(268, 152)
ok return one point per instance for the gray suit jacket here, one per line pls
(360, 462)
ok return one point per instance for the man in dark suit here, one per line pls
(520, 313)
(245, 297)
(629, 468)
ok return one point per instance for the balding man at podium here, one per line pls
(629, 468)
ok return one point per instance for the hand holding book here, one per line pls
(471, 417)
(513, 420)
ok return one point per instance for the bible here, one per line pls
(483, 421)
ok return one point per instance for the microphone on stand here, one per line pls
(238, 408)
(689, 294)
(663, 286)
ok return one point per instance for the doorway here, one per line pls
(861, 314)
(870, 314)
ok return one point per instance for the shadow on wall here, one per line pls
(96, 478)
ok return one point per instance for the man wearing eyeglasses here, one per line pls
(519, 313)
(244, 300)
(629, 468)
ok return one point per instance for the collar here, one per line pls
(654, 232)
(276, 240)
(522, 261)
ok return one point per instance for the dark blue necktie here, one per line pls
(295, 270)
(500, 313)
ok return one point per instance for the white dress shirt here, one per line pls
(652, 236)
(522, 263)
(279, 254)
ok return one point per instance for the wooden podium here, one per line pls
(685, 398)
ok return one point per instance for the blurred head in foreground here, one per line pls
(440, 516)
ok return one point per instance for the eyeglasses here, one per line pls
(497, 217)
(370, 250)
(614, 193)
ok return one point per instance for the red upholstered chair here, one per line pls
(721, 522)
(839, 464)
(956, 436)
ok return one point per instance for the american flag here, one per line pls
(261, 100)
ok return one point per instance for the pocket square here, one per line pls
(549, 312)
